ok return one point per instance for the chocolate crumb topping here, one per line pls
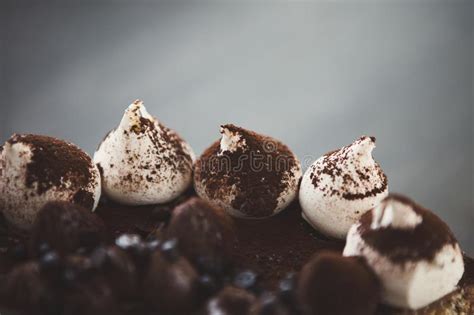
(403, 245)
(55, 163)
(260, 170)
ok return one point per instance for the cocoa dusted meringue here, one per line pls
(247, 174)
(339, 187)
(36, 169)
(412, 251)
(142, 161)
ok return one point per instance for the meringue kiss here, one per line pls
(142, 161)
(339, 187)
(412, 251)
(37, 169)
(247, 174)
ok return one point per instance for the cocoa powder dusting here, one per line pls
(355, 186)
(55, 163)
(260, 171)
(182, 160)
(168, 146)
(278, 245)
(403, 245)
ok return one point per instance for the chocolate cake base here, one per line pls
(271, 247)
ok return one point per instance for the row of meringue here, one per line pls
(251, 176)
(143, 162)
(139, 162)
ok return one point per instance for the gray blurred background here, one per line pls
(314, 74)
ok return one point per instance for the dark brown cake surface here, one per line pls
(279, 245)
(272, 248)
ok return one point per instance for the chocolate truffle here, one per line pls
(330, 284)
(66, 227)
(412, 251)
(247, 174)
(204, 232)
(38, 169)
(230, 301)
(171, 283)
(143, 161)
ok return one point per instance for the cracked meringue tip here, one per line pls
(247, 174)
(340, 186)
(231, 139)
(36, 169)
(142, 161)
(413, 252)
